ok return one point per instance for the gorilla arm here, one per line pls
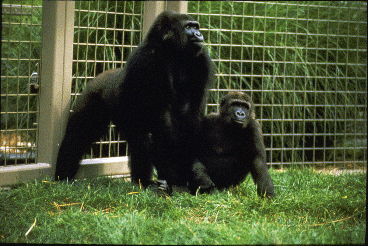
(259, 169)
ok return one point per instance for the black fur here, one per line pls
(161, 92)
(231, 145)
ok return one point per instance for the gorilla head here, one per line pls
(237, 109)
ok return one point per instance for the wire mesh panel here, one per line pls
(303, 63)
(20, 56)
(305, 66)
(105, 34)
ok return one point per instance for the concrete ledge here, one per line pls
(10, 175)
(114, 166)
(103, 166)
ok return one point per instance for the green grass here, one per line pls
(309, 208)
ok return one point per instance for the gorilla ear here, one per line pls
(222, 102)
(168, 35)
(253, 114)
(252, 109)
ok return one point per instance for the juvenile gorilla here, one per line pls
(231, 145)
(161, 92)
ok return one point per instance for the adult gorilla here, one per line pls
(231, 146)
(161, 93)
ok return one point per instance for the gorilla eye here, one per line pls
(191, 26)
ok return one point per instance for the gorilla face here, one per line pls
(237, 111)
(191, 29)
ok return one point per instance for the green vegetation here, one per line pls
(310, 208)
(300, 61)
(20, 56)
(303, 62)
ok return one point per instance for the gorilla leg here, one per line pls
(86, 124)
(139, 163)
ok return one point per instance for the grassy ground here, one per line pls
(310, 208)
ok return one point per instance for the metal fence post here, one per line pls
(153, 8)
(56, 76)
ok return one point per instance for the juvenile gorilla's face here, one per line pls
(237, 109)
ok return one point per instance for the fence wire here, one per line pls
(105, 34)
(20, 56)
(303, 63)
(305, 66)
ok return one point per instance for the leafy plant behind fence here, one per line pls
(307, 59)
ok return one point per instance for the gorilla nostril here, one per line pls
(240, 113)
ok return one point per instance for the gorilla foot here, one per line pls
(202, 189)
(161, 187)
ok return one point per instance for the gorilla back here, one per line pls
(161, 91)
